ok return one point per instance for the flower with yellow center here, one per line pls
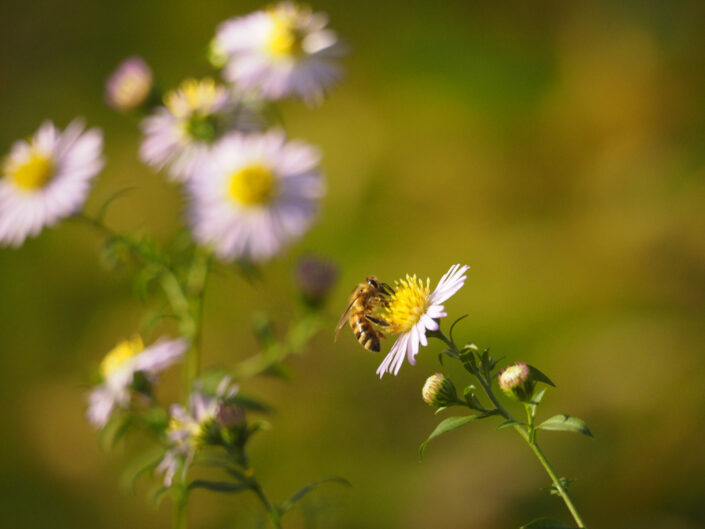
(284, 38)
(254, 185)
(120, 356)
(118, 370)
(258, 193)
(179, 136)
(194, 97)
(283, 51)
(412, 310)
(188, 427)
(34, 173)
(46, 179)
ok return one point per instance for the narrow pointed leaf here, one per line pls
(158, 495)
(450, 331)
(567, 423)
(507, 424)
(219, 486)
(536, 399)
(445, 426)
(288, 504)
(545, 523)
(539, 376)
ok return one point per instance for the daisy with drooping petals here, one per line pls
(118, 370)
(179, 135)
(412, 310)
(255, 195)
(285, 50)
(46, 179)
(189, 427)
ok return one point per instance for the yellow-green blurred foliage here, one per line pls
(558, 148)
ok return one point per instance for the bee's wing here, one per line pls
(344, 318)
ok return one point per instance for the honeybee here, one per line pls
(364, 301)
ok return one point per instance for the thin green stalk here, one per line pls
(272, 512)
(557, 483)
(526, 433)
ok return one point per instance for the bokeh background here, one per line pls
(555, 147)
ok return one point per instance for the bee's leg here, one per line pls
(376, 320)
(386, 288)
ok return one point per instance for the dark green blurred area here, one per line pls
(557, 149)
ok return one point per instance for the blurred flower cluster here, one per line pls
(251, 192)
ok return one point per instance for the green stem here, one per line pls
(180, 514)
(526, 433)
(272, 512)
(557, 483)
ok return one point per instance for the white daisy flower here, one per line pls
(257, 193)
(118, 369)
(129, 85)
(283, 51)
(47, 178)
(412, 310)
(188, 428)
(180, 134)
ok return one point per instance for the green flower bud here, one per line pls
(438, 391)
(516, 382)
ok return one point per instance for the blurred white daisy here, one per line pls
(179, 135)
(47, 178)
(412, 310)
(285, 50)
(129, 85)
(188, 428)
(257, 193)
(118, 370)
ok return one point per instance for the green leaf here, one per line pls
(545, 523)
(536, 399)
(104, 207)
(539, 376)
(507, 424)
(158, 495)
(141, 466)
(288, 504)
(445, 426)
(219, 486)
(450, 331)
(562, 422)
(565, 483)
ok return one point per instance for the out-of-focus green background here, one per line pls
(556, 148)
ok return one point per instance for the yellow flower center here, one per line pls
(408, 303)
(34, 173)
(284, 40)
(193, 96)
(255, 185)
(122, 352)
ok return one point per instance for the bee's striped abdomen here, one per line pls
(364, 332)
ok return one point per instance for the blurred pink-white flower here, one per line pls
(413, 309)
(180, 134)
(255, 195)
(188, 426)
(46, 179)
(283, 51)
(129, 85)
(118, 369)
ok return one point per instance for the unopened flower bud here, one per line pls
(438, 391)
(129, 85)
(315, 277)
(515, 380)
